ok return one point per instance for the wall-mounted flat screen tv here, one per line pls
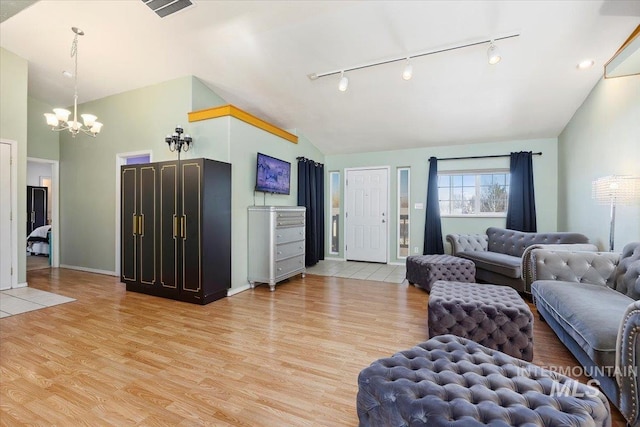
(272, 175)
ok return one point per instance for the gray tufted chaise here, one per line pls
(454, 382)
(494, 316)
(499, 255)
(591, 301)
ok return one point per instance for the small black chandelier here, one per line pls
(178, 142)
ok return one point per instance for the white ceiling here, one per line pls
(257, 55)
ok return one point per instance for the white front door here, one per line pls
(5, 216)
(367, 214)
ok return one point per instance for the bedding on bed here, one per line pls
(40, 234)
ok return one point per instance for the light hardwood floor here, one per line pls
(284, 358)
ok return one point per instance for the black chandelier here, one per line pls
(178, 142)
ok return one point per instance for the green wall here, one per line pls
(203, 97)
(43, 142)
(545, 177)
(13, 126)
(139, 120)
(602, 138)
(237, 142)
(133, 121)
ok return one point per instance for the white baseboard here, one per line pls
(396, 263)
(90, 270)
(19, 285)
(234, 291)
(330, 258)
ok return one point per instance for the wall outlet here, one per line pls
(416, 250)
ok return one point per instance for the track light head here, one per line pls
(407, 73)
(344, 82)
(493, 54)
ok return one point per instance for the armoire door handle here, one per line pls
(183, 227)
(141, 225)
(135, 224)
(175, 226)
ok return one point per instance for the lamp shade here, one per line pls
(88, 119)
(96, 127)
(620, 189)
(52, 120)
(61, 114)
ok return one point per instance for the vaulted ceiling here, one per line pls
(258, 55)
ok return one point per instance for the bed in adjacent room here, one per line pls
(38, 241)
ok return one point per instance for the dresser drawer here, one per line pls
(290, 215)
(289, 222)
(285, 235)
(289, 219)
(287, 250)
(288, 265)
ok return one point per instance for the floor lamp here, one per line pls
(616, 190)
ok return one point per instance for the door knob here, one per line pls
(383, 220)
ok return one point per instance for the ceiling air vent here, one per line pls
(165, 8)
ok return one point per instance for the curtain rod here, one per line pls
(483, 157)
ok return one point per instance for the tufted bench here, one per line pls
(424, 270)
(494, 316)
(452, 381)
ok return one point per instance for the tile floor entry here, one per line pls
(359, 270)
(22, 300)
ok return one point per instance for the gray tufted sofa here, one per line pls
(590, 300)
(500, 253)
(450, 381)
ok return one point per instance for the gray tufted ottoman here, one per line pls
(452, 381)
(494, 316)
(424, 270)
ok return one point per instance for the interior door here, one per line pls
(36, 207)
(5, 216)
(366, 215)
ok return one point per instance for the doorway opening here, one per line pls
(43, 240)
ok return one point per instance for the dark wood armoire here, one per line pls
(176, 229)
(36, 207)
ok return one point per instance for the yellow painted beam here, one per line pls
(230, 110)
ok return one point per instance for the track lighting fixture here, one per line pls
(407, 73)
(492, 54)
(344, 82)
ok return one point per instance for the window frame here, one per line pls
(333, 188)
(398, 207)
(477, 185)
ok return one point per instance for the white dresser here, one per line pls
(276, 243)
